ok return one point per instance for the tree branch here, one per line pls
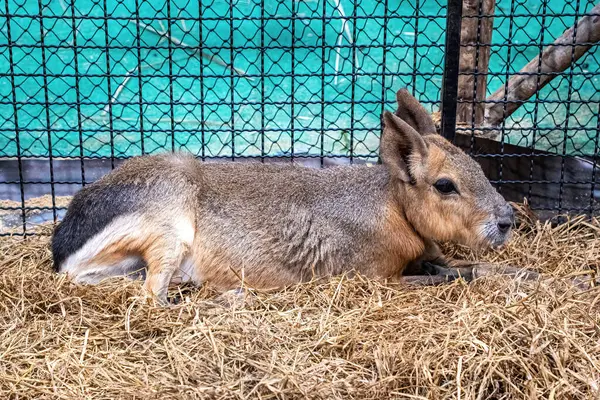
(555, 58)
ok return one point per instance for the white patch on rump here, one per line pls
(119, 229)
(185, 231)
(132, 226)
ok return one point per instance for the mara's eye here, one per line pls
(445, 186)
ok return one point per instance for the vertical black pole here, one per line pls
(451, 64)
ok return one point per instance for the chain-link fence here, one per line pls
(85, 84)
(529, 80)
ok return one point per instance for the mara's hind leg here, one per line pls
(127, 245)
(163, 258)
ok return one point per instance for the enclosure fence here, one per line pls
(87, 84)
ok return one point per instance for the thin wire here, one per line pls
(568, 114)
(231, 80)
(109, 87)
(47, 110)
(415, 48)
(202, 100)
(77, 103)
(505, 99)
(138, 38)
(293, 80)
(262, 81)
(353, 82)
(474, 103)
(171, 78)
(323, 61)
(537, 97)
(383, 60)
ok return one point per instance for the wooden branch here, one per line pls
(163, 33)
(475, 31)
(554, 59)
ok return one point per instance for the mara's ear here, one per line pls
(411, 111)
(402, 149)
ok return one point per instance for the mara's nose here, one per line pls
(506, 219)
(504, 225)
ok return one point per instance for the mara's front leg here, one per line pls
(433, 268)
(430, 268)
(424, 265)
(163, 258)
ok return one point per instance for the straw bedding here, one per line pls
(341, 338)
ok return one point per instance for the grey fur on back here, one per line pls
(295, 216)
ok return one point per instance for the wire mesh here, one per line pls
(86, 84)
(561, 116)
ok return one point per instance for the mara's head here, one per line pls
(444, 192)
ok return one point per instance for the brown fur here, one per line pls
(276, 225)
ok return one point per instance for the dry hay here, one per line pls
(493, 338)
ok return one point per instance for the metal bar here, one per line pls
(451, 63)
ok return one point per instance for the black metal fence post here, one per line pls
(451, 65)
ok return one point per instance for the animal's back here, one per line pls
(282, 223)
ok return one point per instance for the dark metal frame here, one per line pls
(451, 69)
